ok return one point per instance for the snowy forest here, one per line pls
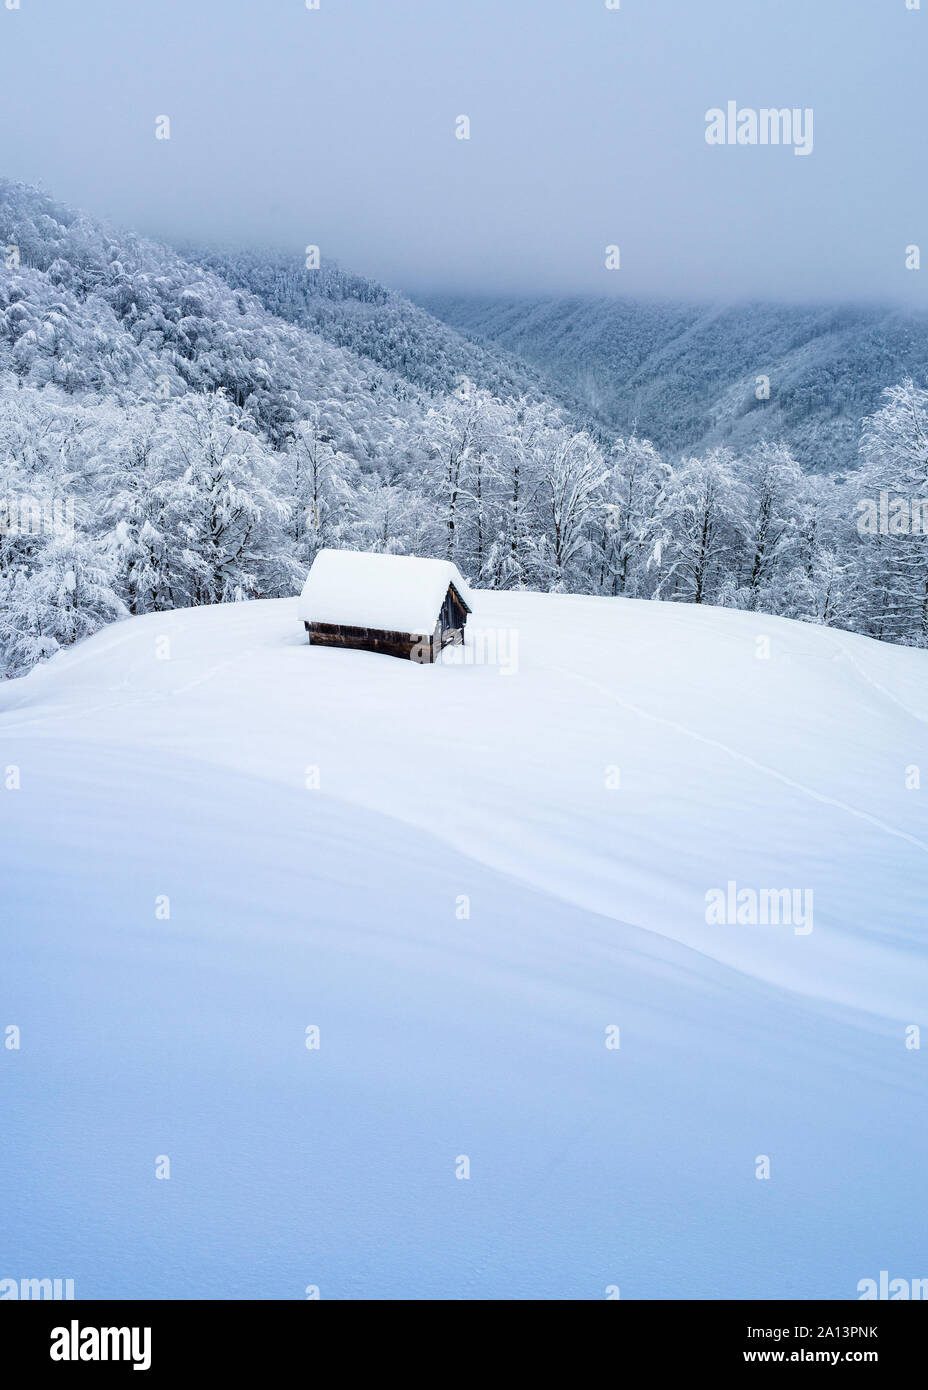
(167, 440)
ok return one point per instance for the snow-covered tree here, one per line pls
(773, 482)
(232, 533)
(705, 515)
(66, 597)
(893, 513)
(572, 476)
(632, 529)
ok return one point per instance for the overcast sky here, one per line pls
(336, 127)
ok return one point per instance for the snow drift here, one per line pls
(485, 884)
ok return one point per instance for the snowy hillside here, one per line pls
(354, 312)
(167, 440)
(464, 876)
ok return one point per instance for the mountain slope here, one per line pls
(379, 324)
(688, 376)
(95, 311)
(464, 893)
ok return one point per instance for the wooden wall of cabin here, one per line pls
(399, 644)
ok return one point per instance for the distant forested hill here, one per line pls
(688, 376)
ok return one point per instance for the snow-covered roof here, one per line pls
(393, 593)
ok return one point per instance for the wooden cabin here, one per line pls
(399, 605)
